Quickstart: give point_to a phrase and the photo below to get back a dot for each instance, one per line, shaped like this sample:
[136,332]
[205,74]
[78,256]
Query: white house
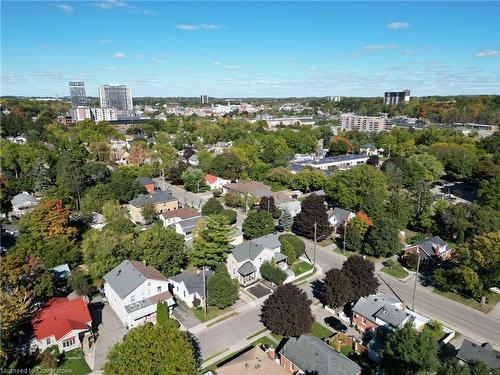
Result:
[133,289]
[188,286]
[183,220]
[283,202]
[245,259]
[340,217]
[368,149]
[329,163]
[23,203]
[61,322]
[214,182]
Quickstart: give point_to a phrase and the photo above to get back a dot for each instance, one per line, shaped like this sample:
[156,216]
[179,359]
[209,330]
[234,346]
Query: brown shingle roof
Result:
[149,272]
[183,213]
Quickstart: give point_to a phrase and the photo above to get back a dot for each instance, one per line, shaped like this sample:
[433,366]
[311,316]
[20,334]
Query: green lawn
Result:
[300,267]
[74,364]
[325,242]
[257,333]
[319,331]
[395,270]
[265,340]
[491,297]
[212,312]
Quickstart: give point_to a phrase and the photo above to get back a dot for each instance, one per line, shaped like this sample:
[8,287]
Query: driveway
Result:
[111,331]
[184,315]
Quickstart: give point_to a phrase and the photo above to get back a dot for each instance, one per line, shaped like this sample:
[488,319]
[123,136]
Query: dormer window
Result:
[132,298]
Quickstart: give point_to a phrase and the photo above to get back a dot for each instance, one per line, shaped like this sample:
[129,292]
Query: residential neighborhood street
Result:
[185,197]
[232,333]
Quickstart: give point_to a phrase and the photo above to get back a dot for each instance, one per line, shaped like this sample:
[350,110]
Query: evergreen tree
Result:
[41,176]
[257,224]
[287,311]
[211,246]
[222,290]
[286,220]
[313,212]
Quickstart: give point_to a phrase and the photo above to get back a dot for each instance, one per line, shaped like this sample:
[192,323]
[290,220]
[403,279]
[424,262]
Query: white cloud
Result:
[44,46]
[105,41]
[119,55]
[232,67]
[398,25]
[407,52]
[378,47]
[488,53]
[109,4]
[159,61]
[200,26]
[65,8]
[139,56]
[216,63]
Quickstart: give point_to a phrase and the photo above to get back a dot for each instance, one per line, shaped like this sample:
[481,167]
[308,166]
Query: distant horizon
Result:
[251,49]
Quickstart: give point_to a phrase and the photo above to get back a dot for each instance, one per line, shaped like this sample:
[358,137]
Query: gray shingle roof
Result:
[149,199]
[252,249]
[374,304]
[189,224]
[246,269]
[470,351]
[278,257]
[428,246]
[145,180]
[310,354]
[127,276]
[341,215]
[23,199]
[193,280]
[392,315]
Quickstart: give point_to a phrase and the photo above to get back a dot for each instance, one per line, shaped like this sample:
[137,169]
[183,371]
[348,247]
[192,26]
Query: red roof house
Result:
[61,322]
[214,182]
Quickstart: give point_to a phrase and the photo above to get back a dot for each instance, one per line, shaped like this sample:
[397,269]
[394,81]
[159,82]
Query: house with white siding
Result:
[133,289]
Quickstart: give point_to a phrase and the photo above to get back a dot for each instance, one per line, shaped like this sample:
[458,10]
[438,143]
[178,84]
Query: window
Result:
[47,341]
[68,343]
[158,290]
[363,320]
[132,298]
[149,283]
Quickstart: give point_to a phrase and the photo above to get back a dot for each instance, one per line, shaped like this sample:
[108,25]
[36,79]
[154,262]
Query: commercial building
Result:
[77,93]
[351,121]
[115,96]
[81,113]
[330,163]
[396,97]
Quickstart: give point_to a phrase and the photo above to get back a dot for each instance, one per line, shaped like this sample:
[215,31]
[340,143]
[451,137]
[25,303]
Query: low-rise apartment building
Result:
[352,121]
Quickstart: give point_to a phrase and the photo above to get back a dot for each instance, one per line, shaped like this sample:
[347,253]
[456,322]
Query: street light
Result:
[415,284]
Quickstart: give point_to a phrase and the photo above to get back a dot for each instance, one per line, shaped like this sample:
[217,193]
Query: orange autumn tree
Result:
[339,146]
[48,220]
[137,154]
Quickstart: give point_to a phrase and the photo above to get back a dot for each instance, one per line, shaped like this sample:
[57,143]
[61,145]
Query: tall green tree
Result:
[336,289]
[383,238]
[361,273]
[210,247]
[222,290]
[286,220]
[144,348]
[313,211]
[194,180]
[287,311]
[162,248]
[257,224]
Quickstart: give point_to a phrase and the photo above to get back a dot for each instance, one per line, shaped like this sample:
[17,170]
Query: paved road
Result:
[471,323]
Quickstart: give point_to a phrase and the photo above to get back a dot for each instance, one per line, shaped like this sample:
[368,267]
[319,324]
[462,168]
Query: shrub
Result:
[232,200]
[217,193]
[298,245]
[411,261]
[212,207]
[231,216]
[272,273]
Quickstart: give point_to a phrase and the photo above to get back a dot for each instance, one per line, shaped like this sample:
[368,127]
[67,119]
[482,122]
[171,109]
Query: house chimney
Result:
[271,353]
[338,346]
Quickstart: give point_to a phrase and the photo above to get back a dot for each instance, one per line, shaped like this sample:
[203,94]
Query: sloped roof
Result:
[192,279]
[145,180]
[128,275]
[210,178]
[341,215]
[61,316]
[312,355]
[380,306]
[255,188]
[246,269]
[189,224]
[470,351]
[254,361]
[23,199]
[149,199]
[182,213]
[251,249]
[278,257]
[428,246]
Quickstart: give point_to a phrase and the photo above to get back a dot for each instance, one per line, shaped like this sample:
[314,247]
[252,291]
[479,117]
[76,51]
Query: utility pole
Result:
[415,284]
[205,293]
[314,251]
[345,230]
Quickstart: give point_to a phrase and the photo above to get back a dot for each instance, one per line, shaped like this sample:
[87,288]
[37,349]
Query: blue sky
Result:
[241,49]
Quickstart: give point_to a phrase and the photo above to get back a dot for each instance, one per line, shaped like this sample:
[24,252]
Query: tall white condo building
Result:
[115,96]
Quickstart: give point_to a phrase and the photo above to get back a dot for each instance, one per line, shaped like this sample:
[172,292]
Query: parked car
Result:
[336,324]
